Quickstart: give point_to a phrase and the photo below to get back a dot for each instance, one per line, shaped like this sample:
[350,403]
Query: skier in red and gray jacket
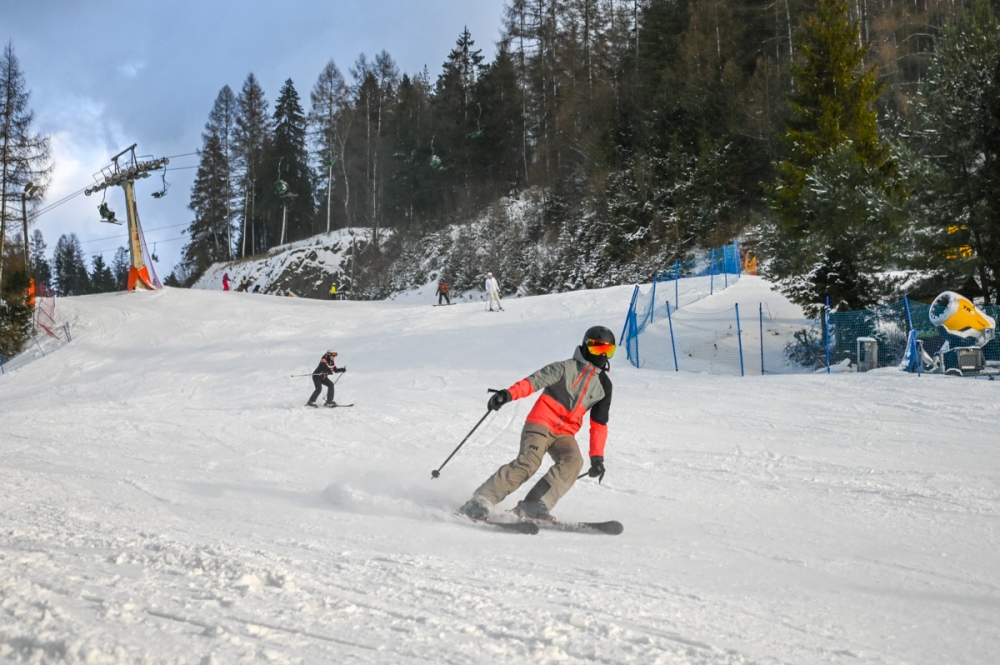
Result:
[571,388]
[327,366]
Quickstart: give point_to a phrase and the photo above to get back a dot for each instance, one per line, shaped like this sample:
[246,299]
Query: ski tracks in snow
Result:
[148,598]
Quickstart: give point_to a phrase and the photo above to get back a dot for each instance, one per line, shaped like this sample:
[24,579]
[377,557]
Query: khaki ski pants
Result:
[536,440]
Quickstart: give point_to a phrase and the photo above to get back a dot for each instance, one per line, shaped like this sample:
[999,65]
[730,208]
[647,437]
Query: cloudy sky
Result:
[105,74]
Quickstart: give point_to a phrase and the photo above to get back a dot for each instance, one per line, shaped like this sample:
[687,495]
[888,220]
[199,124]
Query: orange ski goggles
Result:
[598,348]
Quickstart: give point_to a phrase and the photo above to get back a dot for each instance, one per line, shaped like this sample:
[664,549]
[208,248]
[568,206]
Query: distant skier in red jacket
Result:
[570,389]
[442,292]
[225,281]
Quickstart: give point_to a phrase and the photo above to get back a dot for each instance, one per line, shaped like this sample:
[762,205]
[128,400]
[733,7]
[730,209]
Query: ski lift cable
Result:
[114,249]
[56,204]
[125,235]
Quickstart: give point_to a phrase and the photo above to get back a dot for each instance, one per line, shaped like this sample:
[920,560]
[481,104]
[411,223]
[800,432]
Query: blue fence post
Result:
[725,267]
[826,332]
[711,280]
[761,339]
[909,320]
[677,282]
[652,301]
[631,310]
[39,346]
[635,336]
[69,337]
[673,345]
[739,338]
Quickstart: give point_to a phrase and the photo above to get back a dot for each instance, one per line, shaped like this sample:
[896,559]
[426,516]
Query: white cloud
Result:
[131,69]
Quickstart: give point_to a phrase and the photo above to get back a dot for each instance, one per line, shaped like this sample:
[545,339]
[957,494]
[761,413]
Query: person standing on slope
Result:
[327,366]
[570,388]
[225,281]
[493,289]
[442,292]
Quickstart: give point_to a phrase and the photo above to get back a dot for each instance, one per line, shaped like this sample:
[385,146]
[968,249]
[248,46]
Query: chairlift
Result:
[479,128]
[107,214]
[435,161]
[280,186]
[166,185]
[153,255]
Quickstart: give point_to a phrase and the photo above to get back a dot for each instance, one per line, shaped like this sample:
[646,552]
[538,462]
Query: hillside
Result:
[166,498]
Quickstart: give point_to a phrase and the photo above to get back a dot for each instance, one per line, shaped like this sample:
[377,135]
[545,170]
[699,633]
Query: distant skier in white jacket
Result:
[493,289]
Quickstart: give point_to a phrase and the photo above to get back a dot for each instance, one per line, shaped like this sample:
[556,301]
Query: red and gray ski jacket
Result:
[571,388]
[327,365]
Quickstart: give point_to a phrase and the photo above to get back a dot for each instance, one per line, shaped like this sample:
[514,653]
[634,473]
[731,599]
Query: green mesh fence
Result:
[888,326]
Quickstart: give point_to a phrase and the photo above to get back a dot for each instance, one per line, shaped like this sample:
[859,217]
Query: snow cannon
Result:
[959,316]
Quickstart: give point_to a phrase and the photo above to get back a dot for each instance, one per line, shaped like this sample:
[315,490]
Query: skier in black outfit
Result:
[327,366]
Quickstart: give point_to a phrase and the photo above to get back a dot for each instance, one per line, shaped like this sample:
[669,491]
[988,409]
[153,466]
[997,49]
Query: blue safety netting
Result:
[751,340]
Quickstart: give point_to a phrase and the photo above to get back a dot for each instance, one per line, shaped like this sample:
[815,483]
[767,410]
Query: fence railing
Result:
[700,277]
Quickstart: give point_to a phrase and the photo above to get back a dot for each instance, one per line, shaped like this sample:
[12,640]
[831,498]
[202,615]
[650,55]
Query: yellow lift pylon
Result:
[124,176]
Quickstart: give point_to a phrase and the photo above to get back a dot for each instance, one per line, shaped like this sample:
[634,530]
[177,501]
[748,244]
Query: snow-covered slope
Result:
[165,498]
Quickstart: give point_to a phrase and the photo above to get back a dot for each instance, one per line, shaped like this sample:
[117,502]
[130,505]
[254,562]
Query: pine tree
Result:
[956,136]
[210,233]
[288,168]
[251,139]
[374,90]
[120,265]
[41,271]
[498,150]
[222,123]
[835,153]
[330,119]
[458,117]
[102,280]
[414,199]
[208,201]
[71,272]
[24,156]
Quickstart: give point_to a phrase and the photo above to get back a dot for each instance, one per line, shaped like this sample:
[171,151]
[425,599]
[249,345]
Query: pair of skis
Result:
[531,527]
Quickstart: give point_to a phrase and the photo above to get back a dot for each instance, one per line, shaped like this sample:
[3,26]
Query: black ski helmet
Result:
[599,334]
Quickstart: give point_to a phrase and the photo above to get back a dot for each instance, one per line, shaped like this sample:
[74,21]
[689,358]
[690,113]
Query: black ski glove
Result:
[596,468]
[340,370]
[498,399]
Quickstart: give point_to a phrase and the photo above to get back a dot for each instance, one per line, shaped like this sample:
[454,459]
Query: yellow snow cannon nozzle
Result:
[959,316]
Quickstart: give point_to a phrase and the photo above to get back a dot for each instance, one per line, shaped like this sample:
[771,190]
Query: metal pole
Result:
[24,217]
[437,472]
[826,332]
[762,339]
[329,187]
[739,338]
[673,345]
[284,216]
[711,280]
[631,310]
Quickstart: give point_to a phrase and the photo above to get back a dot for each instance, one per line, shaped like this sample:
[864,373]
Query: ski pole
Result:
[315,374]
[437,472]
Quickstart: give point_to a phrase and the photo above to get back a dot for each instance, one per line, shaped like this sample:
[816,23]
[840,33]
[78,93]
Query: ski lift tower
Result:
[124,175]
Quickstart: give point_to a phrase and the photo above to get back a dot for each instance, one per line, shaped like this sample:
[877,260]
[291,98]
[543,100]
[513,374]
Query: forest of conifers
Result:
[841,140]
